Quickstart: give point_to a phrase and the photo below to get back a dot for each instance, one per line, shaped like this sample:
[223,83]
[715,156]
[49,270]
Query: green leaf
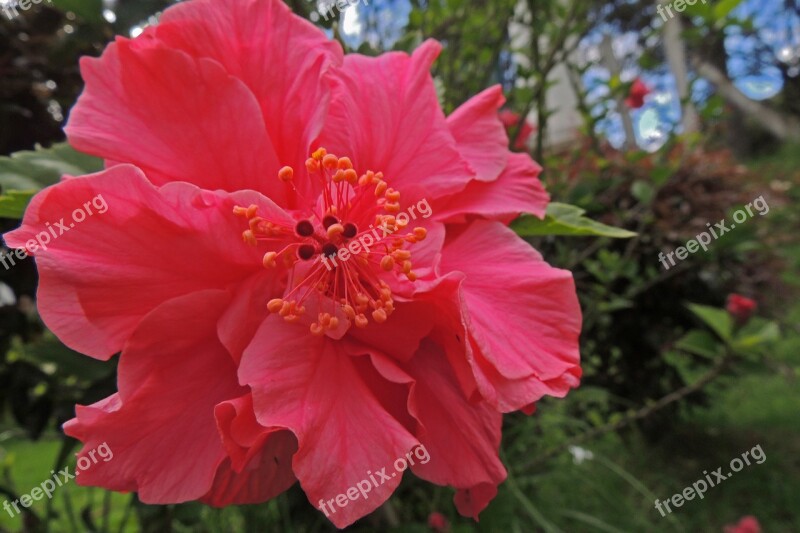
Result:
[567,220]
[643,191]
[717,319]
[723,8]
[700,342]
[35,169]
[755,335]
[13,204]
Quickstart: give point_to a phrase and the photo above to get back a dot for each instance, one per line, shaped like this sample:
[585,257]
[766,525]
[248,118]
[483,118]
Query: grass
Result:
[27,464]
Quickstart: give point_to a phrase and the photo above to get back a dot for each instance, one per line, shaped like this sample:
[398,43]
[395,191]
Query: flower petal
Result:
[517,190]
[461,438]
[101,276]
[310,386]
[172,373]
[385,116]
[176,117]
[283,59]
[259,466]
[523,316]
[480,135]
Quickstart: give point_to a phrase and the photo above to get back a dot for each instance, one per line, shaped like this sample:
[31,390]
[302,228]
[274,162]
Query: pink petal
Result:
[310,386]
[101,277]
[470,502]
[480,134]
[461,438]
[385,116]
[283,59]
[260,460]
[247,310]
[176,117]
[522,314]
[517,190]
[164,411]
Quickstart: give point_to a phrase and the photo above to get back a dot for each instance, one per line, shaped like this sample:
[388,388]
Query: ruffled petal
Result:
[517,190]
[480,134]
[283,59]
[100,277]
[176,117]
[385,116]
[462,437]
[259,466]
[522,316]
[311,387]
[172,373]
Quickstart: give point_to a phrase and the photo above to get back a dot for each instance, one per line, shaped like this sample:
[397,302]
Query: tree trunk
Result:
[781,126]
[611,62]
[675,51]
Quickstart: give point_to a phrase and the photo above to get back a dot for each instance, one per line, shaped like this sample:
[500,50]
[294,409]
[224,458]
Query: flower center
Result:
[341,247]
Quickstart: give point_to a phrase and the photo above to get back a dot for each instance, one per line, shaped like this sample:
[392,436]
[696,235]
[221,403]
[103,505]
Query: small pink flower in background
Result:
[248,366]
[438,522]
[741,308]
[638,91]
[747,524]
[510,120]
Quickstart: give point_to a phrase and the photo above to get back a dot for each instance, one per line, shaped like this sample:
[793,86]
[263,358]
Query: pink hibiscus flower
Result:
[249,360]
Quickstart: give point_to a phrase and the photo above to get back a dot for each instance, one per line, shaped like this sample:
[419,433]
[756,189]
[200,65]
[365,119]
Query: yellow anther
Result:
[312,165]
[319,154]
[345,163]
[380,188]
[407,266]
[249,237]
[351,176]
[387,263]
[317,330]
[334,230]
[392,207]
[392,195]
[269,260]
[402,255]
[361,321]
[420,233]
[286,174]
[330,161]
[379,316]
[275,305]
[367,178]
